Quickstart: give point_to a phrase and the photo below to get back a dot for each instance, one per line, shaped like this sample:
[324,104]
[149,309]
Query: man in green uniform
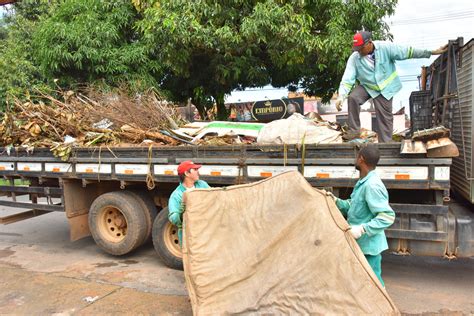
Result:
[188,173]
[368,211]
[372,65]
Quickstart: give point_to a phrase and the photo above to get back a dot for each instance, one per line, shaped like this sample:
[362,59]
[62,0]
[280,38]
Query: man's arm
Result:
[377,200]
[203,184]
[349,77]
[174,209]
[343,205]
[398,52]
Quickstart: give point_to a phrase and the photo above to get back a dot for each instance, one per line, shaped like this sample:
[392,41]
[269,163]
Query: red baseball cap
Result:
[186,165]
[360,39]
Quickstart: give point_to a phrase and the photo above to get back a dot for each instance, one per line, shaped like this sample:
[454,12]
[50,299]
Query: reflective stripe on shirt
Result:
[385,83]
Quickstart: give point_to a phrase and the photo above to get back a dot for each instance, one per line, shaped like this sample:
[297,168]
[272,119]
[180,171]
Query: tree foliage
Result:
[91,41]
[199,49]
[210,48]
[19,73]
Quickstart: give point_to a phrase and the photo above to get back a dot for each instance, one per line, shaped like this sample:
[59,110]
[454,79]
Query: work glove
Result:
[357,231]
[440,50]
[339,101]
[331,195]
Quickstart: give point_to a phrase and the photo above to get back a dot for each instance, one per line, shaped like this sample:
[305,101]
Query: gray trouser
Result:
[383,111]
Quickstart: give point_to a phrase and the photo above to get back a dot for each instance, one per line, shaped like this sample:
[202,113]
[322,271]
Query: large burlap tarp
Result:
[277,246]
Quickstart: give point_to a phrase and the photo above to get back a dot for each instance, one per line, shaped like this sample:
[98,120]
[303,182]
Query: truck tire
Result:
[116,221]
[165,241]
[150,211]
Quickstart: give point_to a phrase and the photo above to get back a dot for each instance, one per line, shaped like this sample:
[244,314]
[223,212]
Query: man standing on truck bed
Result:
[188,173]
[372,64]
[368,211]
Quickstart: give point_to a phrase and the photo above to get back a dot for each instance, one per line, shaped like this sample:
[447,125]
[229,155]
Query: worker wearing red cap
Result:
[372,64]
[188,173]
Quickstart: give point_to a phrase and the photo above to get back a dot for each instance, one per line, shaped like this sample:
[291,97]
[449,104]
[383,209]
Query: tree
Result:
[198,49]
[19,73]
[94,41]
[209,48]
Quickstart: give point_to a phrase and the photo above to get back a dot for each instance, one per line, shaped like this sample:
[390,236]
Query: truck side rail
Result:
[329,165]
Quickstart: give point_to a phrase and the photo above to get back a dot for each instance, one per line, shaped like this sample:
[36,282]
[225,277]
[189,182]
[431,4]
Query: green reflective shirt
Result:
[176,206]
[382,77]
[368,206]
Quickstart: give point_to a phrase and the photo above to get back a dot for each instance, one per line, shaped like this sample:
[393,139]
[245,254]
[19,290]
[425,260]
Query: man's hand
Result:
[331,195]
[440,50]
[339,102]
[357,231]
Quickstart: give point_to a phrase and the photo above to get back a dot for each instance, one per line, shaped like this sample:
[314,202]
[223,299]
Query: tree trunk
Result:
[222,112]
[201,109]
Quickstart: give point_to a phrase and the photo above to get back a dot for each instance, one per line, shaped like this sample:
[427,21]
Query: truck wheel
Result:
[116,221]
[150,211]
[166,242]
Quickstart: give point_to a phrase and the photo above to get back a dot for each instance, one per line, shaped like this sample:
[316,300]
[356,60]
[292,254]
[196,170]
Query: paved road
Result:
[44,273]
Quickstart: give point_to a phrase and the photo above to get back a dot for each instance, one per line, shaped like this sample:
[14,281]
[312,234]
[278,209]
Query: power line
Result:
[430,38]
[430,18]
[440,13]
[434,18]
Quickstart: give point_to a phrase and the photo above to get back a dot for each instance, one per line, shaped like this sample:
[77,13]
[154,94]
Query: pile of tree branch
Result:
[89,119]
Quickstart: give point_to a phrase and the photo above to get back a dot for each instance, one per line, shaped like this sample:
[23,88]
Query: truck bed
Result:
[418,186]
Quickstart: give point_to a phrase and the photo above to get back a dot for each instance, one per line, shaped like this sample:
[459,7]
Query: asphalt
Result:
[44,273]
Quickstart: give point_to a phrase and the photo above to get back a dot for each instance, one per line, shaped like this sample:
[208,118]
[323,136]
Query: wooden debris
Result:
[411,147]
[430,134]
[89,119]
[443,147]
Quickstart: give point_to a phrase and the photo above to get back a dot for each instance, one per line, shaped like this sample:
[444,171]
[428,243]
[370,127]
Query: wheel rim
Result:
[112,224]
[172,240]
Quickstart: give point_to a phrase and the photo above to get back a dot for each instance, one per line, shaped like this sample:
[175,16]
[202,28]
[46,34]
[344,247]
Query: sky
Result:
[424,24]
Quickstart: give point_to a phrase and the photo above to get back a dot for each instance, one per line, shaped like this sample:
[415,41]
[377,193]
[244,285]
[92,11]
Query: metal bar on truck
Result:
[31,159]
[26,189]
[416,235]
[119,160]
[420,209]
[43,207]
[382,161]
[219,161]
[389,184]
[342,161]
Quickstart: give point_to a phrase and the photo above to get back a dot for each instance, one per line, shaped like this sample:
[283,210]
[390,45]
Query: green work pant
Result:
[375,263]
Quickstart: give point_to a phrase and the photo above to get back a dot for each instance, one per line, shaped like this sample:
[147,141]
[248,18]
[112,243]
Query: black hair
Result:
[371,155]
[181,177]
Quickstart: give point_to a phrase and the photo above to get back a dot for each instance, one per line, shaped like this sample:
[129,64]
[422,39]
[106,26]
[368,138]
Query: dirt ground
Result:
[44,273]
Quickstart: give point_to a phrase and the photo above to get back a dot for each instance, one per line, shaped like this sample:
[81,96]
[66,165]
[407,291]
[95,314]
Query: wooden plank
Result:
[21,216]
